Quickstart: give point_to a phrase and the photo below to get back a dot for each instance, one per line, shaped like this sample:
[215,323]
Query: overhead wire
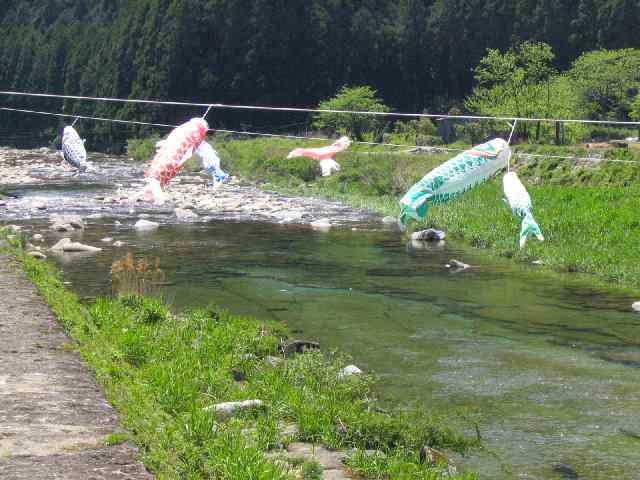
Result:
[299,137]
[321,110]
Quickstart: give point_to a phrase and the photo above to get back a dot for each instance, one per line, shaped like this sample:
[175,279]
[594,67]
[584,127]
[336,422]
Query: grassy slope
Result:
[160,371]
[589,214]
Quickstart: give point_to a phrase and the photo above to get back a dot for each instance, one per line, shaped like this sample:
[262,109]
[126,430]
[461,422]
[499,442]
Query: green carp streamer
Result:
[519,201]
[454,177]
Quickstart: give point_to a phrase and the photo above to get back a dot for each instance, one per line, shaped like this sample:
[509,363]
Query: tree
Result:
[362,98]
[605,83]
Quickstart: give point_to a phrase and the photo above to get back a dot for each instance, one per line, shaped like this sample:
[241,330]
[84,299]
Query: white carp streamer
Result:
[73,150]
[520,203]
[454,177]
[210,162]
[324,155]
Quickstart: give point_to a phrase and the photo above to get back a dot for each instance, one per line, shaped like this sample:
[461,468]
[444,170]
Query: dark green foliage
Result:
[415,53]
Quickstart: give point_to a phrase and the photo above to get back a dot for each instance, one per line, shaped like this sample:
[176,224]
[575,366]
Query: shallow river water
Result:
[548,366]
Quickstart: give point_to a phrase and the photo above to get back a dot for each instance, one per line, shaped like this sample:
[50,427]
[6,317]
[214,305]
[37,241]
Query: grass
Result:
[588,211]
[161,371]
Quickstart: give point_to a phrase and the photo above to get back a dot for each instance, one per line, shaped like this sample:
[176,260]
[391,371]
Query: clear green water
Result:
[548,366]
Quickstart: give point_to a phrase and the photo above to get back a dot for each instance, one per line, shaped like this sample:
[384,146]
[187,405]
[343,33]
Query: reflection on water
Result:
[549,367]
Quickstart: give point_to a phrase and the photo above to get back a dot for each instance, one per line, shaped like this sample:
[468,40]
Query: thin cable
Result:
[296,137]
[99,119]
[207,112]
[319,110]
[513,129]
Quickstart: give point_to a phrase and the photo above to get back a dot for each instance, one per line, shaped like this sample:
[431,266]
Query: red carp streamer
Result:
[171,154]
[325,155]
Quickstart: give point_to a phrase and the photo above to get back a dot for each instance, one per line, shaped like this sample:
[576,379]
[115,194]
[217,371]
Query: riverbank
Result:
[55,421]
[167,375]
[587,210]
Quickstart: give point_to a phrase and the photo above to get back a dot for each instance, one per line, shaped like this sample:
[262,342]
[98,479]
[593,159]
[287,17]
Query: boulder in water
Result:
[146,225]
[321,224]
[636,306]
[457,265]
[429,235]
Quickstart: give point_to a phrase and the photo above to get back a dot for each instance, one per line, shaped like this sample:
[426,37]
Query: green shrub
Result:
[303,168]
[142,149]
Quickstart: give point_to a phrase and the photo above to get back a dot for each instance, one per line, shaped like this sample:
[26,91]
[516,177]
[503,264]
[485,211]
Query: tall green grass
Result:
[162,370]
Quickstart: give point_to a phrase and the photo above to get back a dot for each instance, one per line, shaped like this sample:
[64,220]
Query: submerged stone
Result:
[457,265]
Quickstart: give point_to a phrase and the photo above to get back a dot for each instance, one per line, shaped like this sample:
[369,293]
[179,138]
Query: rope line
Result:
[319,110]
[513,129]
[297,137]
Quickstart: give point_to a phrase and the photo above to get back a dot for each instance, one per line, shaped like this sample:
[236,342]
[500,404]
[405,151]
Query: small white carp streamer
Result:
[454,177]
[73,150]
[210,162]
[520,203]
[324,155]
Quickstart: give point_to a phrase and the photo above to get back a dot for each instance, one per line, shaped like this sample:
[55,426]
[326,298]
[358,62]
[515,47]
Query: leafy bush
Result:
[361,98]
[142,149]
[306,169]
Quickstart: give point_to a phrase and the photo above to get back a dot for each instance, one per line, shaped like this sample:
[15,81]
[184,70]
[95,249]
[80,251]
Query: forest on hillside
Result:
[417,54]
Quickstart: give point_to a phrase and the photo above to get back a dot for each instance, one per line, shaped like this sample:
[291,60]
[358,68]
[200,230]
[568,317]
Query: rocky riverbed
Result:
[37,183]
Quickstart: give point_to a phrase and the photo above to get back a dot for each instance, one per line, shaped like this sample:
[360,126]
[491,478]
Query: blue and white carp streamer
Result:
[454,177]
[73,150]
[210,162]
[519,201]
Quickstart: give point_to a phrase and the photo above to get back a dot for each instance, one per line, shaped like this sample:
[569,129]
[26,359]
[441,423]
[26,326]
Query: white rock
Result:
[229,409]
[40,205]
[390,220]
[321,224]
[183,214]
[107,240]
[95,216]
[58,246]
[37,238]
[37,254]
[79,247]
[118,244]
[146,225]
[636,306]
[349,370]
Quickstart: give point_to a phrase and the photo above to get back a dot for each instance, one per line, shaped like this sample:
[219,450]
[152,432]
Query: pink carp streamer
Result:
[325,155]
[171,154]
